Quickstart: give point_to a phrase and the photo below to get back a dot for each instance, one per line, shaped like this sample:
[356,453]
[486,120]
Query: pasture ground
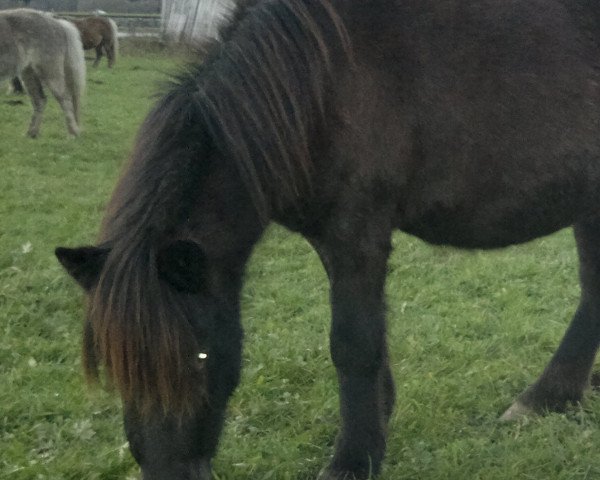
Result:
[468,331]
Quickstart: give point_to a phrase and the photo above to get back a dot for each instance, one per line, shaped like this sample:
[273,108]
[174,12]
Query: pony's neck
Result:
[224,220]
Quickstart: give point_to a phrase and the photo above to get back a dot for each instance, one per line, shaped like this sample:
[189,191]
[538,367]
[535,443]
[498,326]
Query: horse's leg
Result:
[182,449]
[356,267]
[17,86]
[57,84]
[38,100]
[110,49]
[98,54]
[567,375]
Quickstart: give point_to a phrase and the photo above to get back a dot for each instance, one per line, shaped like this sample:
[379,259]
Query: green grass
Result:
[468,331]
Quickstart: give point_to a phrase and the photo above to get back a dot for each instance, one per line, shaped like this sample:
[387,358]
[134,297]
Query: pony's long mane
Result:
[263,91]
[256,99]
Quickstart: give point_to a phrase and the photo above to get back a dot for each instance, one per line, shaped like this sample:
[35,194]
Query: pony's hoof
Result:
[595,381]
[204,472]
[516,411]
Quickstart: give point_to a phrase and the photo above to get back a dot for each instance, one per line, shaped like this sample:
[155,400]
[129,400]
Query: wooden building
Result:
[191,20]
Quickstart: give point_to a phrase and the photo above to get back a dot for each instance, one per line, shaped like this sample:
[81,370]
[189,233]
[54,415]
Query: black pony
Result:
[465,122]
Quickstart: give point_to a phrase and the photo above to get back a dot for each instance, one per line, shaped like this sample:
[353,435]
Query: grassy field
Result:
[468,331]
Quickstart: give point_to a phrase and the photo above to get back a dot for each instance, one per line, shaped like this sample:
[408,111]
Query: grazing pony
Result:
[43,51]
[465,124]
[99,33]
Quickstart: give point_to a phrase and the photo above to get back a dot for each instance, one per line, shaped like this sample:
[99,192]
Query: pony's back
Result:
[38,35]
[19,49]
[8,51]
[22,23]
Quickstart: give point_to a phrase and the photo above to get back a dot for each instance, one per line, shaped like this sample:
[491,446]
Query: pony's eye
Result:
[203,356]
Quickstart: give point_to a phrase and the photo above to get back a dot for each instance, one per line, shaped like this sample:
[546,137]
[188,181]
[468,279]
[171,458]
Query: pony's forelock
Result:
[141,332]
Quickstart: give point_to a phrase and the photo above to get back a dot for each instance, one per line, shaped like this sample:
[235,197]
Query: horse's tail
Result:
[140,331]
[114,44]
[74,67]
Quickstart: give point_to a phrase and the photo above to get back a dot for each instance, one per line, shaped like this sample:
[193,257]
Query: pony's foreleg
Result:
[357,270]
[567,375]
[38,100]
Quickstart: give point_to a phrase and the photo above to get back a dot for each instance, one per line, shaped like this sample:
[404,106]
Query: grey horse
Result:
[43,51]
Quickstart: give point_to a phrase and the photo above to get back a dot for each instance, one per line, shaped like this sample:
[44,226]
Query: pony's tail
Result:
[139,330]
[74,67]
[114,44]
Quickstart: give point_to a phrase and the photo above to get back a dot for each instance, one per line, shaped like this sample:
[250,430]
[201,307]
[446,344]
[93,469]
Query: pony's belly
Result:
[502,202]
[487,226]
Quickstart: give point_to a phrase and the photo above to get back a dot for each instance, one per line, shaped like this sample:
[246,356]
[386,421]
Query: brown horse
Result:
[99,33]
[464,122]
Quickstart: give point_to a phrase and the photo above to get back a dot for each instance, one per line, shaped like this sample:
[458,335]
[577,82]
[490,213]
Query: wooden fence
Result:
[129,24]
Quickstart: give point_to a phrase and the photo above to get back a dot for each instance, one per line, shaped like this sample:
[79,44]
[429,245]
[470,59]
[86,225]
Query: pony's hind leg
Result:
[356,265]
[110,54]
[567,375]
[38,100]
[99,54]
[58,87]
[17,86]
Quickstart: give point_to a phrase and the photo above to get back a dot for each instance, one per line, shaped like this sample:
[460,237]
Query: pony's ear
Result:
[84,264]
[182,265]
